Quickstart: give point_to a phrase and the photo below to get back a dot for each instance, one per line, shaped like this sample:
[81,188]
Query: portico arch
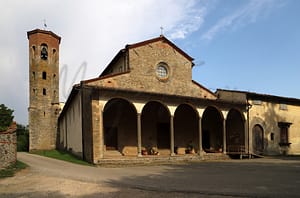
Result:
[212,130]
[235,132]
[155,121]
[186,131]
[119,124]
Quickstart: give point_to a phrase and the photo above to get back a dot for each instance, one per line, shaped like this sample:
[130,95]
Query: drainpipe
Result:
[248,107]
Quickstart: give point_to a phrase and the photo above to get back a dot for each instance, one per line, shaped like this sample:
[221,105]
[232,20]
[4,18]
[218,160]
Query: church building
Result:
[145,105]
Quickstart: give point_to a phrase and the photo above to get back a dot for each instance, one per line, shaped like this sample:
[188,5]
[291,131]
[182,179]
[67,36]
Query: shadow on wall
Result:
[272,133]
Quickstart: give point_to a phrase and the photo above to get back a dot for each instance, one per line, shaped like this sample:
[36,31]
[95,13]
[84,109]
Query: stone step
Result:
[159,159]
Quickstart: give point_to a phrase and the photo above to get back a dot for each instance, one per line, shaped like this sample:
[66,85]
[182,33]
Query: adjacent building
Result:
[274,122]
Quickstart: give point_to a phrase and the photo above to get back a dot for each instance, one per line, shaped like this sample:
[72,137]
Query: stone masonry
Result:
[8,146]
[43,88]
[143,60]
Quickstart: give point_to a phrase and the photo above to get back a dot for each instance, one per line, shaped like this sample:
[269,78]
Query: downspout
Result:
[248,107]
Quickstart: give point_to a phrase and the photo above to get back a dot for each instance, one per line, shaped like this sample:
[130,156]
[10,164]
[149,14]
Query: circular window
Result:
[162,71]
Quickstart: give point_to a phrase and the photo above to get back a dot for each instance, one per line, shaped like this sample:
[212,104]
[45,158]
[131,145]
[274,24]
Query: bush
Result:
[6,117]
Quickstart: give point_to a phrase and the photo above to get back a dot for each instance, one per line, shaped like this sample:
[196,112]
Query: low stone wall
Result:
[8,146]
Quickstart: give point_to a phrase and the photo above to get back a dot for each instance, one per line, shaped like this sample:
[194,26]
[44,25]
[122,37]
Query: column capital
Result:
[224,113]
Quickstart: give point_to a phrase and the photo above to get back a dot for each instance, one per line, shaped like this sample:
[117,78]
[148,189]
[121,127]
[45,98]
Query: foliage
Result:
[22,138]
[6,117]
[61,155]
[11,170]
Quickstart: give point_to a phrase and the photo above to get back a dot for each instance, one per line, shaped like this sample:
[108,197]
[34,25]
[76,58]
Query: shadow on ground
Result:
[219,179]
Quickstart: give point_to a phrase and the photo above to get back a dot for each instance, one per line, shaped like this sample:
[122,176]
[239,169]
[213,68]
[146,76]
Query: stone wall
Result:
[8,146]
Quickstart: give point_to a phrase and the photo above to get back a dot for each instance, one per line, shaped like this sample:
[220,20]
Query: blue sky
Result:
[259,55]
[249,45]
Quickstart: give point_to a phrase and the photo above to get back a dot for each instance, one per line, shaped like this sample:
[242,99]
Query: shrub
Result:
[6,117]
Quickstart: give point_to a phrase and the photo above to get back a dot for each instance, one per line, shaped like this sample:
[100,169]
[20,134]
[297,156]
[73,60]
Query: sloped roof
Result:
[265,97]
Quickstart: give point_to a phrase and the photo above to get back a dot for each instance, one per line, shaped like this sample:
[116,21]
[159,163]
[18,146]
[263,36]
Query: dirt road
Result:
[48,177]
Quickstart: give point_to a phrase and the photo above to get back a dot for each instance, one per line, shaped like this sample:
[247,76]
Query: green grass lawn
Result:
[61,155]
[11,170]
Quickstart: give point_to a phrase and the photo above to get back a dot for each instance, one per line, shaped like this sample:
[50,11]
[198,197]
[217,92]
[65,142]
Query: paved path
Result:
[236,178]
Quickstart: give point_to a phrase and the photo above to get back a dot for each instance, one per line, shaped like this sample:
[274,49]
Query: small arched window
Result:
[44,75]
[44,51]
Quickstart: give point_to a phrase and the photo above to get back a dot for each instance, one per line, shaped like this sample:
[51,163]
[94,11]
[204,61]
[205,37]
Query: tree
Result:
[6,117]
[22,138]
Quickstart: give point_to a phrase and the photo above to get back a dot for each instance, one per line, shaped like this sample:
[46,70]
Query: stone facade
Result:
[140,61]
[8,146]
[274,122]
[44,89]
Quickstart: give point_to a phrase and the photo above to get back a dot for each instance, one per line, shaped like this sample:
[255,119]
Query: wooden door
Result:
[258,139]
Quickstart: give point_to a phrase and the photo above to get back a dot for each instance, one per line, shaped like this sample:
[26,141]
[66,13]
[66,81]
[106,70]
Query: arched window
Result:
[44,51]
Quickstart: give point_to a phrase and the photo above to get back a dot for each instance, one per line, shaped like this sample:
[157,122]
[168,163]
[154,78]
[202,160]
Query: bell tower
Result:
[43,89]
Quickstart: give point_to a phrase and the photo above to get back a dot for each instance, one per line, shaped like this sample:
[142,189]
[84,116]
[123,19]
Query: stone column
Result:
[246,136]
[139,134]
[200,149]
[101,134]
[172,134]
[224,136]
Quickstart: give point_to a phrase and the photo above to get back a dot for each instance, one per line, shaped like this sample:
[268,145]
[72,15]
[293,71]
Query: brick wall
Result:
[8,146]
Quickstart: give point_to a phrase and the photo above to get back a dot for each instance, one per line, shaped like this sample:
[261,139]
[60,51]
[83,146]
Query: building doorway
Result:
[258,139]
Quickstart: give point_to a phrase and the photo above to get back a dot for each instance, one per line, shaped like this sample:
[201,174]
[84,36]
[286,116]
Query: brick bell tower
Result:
[43,89]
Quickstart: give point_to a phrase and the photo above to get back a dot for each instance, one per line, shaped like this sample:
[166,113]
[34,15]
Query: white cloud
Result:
[92,32]
[248,13]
